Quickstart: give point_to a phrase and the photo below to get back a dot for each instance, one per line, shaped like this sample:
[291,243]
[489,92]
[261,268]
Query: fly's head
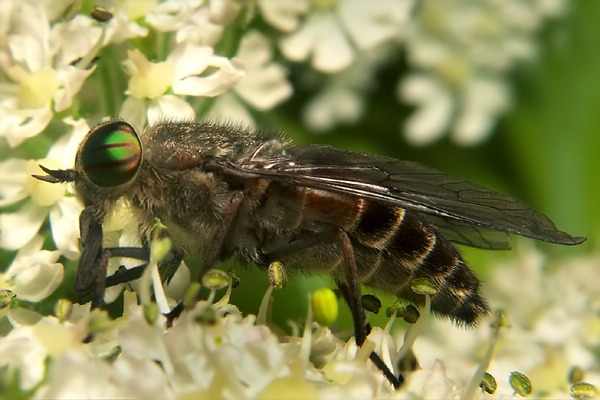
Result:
[107,163]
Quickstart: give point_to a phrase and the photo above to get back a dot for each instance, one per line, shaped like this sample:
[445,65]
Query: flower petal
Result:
[12,181]
[283,14]
[18,228]
[229,107]
[64,219]
[227,73]
[190,59]
[135,112]
[169,107]
[17,124]
[21,351]
[38,281]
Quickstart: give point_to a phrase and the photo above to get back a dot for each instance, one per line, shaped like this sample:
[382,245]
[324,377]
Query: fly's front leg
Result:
[91,271]
[91,280]
[166,267]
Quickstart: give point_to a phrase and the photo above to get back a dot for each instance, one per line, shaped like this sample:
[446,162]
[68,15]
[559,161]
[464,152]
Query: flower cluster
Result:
[212,351]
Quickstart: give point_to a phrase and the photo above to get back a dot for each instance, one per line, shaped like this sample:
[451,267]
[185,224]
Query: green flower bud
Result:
[424,286]
[488,383]
[62,309]
[583,390]
[576,375]
[520,384]
[324,304]
[411,314]
[371,303]
[215,279]
[6,298]
[101,14]
[151,312]
[395,308]
[277,276]
[191,295]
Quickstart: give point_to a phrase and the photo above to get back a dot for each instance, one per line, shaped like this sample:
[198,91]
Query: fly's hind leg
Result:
[350,290]
[350,287]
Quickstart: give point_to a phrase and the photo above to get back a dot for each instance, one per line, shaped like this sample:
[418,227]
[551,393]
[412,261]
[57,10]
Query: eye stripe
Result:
[127,163]
[112,146]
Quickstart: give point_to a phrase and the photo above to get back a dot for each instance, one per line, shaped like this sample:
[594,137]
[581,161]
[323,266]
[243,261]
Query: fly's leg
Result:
[350,287]
[124,275]
[166,268]
[91,280]
[350,290]
[100,284]
[221,235]
[324,236]
[216,249]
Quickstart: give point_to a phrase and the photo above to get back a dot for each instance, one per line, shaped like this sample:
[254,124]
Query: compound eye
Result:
[111,154]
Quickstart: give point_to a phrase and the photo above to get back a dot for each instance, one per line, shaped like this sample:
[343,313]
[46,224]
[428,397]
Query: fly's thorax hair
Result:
[191,203]
[186,197]
[181,145]
[173,185]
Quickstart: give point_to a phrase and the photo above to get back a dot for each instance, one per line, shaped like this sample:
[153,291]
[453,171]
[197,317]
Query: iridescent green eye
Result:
[111,154]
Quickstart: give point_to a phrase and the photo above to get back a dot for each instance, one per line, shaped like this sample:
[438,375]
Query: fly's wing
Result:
[469,235]
[468,212]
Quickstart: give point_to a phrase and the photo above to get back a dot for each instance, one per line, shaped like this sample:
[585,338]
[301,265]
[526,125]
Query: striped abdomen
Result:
[411,249]
[392,246]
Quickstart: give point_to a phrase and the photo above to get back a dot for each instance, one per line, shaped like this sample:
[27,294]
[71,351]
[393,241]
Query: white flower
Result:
[473,115]
[236,358]
[342,97]
[354,376]
[461,53]
[38,62]
[40,199]
[75,374]
[330,33]
[184,73]
[554,325]
[34,274]
[431,383]
[435,108]
[26,348]
[139,338]
[21,351]
[336,105]
[194,21]
[123,26]
[263,86]
[283,14]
